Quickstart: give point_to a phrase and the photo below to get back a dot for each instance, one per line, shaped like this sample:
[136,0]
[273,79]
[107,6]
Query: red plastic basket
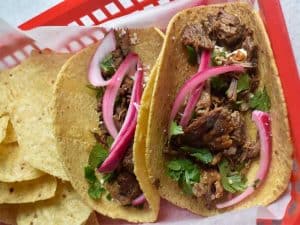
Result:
[91,12]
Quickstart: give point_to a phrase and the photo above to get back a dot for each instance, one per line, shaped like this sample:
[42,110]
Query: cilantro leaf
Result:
[99,90]
[231,181]
[192,55]
[95,190]
[185,173]
[202,154]
[219,83]
[89,174]
[109,140]
[107,65]
[175,129]
[243,83]
[218,56]
[260,100]
[97,156]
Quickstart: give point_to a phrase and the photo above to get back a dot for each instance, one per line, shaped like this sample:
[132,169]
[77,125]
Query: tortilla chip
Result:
[4,93]
[31,85]
[28,191]
[65,208]
[10,134]
[8,214]
[171,78]
[76,117]
[13,167]
[3,127]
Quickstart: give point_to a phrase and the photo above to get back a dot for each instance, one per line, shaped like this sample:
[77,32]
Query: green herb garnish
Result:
[107,65]
[243,83]
[218,56]
[201,154]
[231,181]
[175,129]
[185,173]
[99,90]
[219,84]
[260,100]
[192,55]
[89,174]
[96,190]
[97,156]
[108,197]
[109,140]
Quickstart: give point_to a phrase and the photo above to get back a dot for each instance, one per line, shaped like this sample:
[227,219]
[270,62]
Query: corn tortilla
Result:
[75,118]
[28,191]
[31,86]
[174,69]
[65,208]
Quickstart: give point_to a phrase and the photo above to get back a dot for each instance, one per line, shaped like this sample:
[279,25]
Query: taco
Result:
[221,141]
[97,97]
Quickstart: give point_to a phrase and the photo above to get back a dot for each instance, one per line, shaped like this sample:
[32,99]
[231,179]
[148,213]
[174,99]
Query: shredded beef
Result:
[196,36]
[227,29]
[123,101]
[127,162]
[124,188]
[204,103]
[249,150]
[218,129]
[118,55]
[209,187]
[251,48]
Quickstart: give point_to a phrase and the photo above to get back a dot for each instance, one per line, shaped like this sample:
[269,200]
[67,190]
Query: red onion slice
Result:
[263,123]
[112,91]
[107,45]
[139,200]
[126,133]
[195,95]
[196,80]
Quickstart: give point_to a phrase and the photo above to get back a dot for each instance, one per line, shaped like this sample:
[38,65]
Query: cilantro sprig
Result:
[192,55]
[260,100]
[175,129]
[185,173]
[201,154]
[243,83]
[231,181]
[107,65]
[96,158]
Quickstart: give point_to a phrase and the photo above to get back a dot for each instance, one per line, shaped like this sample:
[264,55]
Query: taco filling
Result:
[210,147]
[117,75]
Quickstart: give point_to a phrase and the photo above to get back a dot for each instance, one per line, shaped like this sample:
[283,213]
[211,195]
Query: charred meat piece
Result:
[209,187]
[124,188]
[214,129]
[250,150]
[123,40]
[251,48]
[112,61]
[195,35]
[123,101]
[204,103]
[127,162]
[226,28]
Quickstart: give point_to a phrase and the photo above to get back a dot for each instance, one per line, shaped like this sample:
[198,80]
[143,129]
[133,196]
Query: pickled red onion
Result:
[126,133]
[111,92]
[139,200]
[263,123]
[196,80]
[195,95]
[107,45]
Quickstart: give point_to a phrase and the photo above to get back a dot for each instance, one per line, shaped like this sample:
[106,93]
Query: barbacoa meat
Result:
[218,129]
[118,55]
[195,35]
[226,28]
[209,187]
[124,188]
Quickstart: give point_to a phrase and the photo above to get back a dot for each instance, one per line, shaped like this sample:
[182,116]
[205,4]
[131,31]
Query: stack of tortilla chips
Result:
[34,189]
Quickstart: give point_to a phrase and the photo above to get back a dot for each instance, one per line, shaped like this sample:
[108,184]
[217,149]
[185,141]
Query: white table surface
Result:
[17,11]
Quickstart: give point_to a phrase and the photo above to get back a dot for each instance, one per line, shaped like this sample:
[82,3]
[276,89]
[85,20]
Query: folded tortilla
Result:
[76,118]
[173,71]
